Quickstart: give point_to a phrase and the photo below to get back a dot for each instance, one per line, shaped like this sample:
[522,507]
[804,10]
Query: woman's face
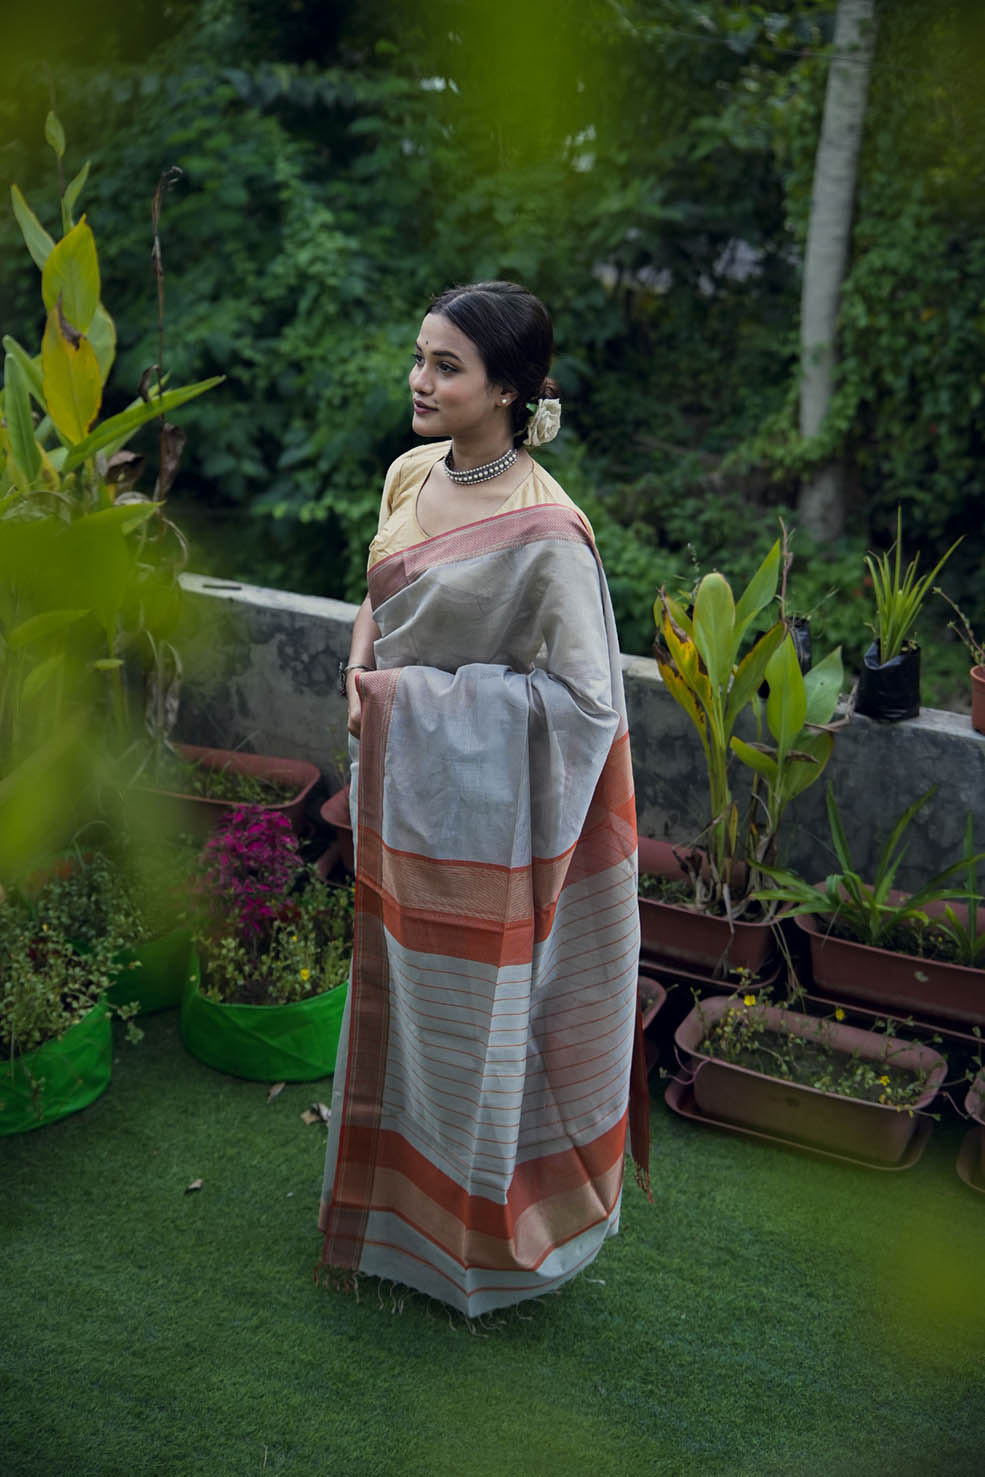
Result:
[451,394]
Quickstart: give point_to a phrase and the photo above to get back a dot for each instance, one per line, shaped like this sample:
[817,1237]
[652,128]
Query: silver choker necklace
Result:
[484,473]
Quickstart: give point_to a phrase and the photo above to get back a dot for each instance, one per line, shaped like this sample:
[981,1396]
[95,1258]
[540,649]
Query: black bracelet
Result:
[345,670]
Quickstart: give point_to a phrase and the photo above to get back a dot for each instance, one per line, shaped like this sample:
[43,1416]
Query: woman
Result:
[481,1094]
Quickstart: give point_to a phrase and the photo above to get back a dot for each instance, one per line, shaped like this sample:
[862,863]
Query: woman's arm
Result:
[365,632]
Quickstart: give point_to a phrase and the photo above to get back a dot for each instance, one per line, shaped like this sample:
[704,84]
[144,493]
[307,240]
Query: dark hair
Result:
[513,333]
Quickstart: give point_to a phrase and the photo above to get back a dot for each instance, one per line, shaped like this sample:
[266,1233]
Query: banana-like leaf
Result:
[36,238]
[822,686]
[39,627]
[682,695]
[750,673]
[40,676]
[805,763]
[714,627]
[118,429]
[758,593]
[71,272]
[72,192]
[31,367]
[20,426]
[73,386]
[756,759]
[786,705]
[54,133]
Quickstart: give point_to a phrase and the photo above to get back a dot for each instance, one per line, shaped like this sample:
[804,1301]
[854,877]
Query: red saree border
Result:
[510,530]
[348,1209]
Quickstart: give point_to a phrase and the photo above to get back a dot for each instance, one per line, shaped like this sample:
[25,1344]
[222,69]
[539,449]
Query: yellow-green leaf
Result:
[36,238]
[714,626]
[107,664]
[31,367]
[72,192]
[73,387]
[20,426]
[786,706]
[116,431]
[39,677]
[72,272]
[102,336]
[54,134]
[755,758]
[38,627]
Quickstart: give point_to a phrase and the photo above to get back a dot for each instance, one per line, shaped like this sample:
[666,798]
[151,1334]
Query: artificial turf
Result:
[770,1313]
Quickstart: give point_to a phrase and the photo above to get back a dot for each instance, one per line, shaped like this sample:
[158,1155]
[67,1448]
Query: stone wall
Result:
[261,671]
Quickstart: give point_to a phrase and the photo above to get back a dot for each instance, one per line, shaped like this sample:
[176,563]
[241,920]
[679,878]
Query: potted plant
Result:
[921,952]
[723,924]
[802,1079]
[55,1028]
[275,945]
[889,683]
[88,566]
[200,787]
[962,629]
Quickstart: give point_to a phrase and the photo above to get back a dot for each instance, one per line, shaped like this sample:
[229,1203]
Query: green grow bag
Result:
[155,973]
[265,1043]
[59,1077]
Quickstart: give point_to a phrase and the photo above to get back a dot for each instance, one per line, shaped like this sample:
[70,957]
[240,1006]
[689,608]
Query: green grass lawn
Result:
[768,1314]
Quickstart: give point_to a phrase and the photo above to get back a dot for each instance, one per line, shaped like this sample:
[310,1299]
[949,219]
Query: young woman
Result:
[482,1092]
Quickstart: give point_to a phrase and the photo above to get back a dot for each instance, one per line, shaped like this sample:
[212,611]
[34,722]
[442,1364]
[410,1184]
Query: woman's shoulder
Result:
[410,465]
[540,487]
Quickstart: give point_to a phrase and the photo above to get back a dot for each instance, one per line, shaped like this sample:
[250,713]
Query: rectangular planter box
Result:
[772,1105]
[199,815]
[897,982]
[672,933]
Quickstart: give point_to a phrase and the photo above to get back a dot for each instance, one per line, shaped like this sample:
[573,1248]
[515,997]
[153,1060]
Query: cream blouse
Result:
[398,526]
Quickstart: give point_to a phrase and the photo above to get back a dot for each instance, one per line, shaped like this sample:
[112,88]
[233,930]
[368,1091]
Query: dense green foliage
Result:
[646,167]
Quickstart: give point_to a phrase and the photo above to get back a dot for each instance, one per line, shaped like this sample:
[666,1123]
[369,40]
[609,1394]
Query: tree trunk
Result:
[821,507]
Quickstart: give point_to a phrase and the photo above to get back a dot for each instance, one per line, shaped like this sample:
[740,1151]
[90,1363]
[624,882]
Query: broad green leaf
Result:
[749,673]
[36,238]
[786,704]
[805,763]
[20,426]
[54,134]
[31,367]
[72,272]
[118,429]
[72,192]
[102,336]
[682,695]
[124,517]
[40,676]
[758,593]
[73,388]
[755,758]
[822,686]
[39,627]
[714,627]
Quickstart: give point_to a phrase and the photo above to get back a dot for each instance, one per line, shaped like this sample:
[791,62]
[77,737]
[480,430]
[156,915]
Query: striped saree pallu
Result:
[481,1094]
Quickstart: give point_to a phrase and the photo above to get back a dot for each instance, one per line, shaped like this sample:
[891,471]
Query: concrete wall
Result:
[261,672]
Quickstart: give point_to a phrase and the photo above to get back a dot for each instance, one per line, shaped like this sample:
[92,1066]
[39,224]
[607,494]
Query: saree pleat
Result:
[481,1096]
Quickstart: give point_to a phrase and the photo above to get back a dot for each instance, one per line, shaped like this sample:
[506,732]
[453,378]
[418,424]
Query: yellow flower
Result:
[839,1014]
[748,999]
[306,975]
[884,1080]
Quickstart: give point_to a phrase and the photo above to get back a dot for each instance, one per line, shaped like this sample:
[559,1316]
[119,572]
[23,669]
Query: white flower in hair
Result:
[544,423]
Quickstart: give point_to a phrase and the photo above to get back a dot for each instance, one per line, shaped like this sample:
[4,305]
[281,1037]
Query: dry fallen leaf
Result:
[276,1091]
[195,1185]
[317,1113]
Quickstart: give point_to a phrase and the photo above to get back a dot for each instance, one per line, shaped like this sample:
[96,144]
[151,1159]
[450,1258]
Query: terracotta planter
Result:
[199,814]
[263,1043]
[59,1077]
[335,812]
[672,933]
[861,1130]
[652,996]
[897,982]
[978,699]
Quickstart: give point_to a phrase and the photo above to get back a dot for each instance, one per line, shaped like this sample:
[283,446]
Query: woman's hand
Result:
[355,703]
